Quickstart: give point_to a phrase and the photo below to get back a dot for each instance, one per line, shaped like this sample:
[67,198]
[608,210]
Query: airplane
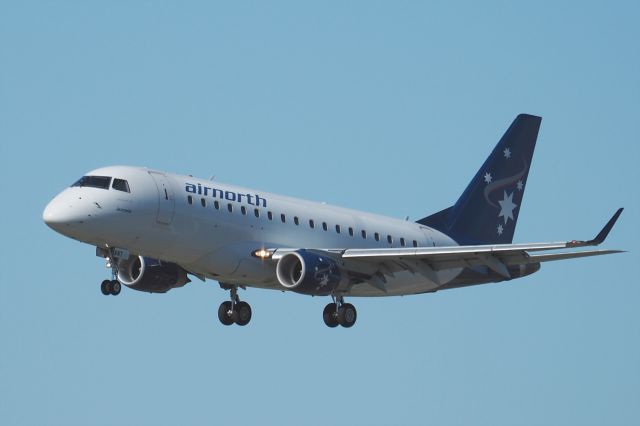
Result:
[155,229]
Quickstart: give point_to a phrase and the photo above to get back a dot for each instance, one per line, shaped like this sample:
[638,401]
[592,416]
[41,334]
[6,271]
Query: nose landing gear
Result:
[234,311]
[112,286]
[339,313]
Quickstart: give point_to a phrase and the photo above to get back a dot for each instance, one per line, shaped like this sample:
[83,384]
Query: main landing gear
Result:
[339,313]
[234,311]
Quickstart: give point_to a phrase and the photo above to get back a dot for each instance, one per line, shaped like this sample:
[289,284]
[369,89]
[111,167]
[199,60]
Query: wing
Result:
[376,263]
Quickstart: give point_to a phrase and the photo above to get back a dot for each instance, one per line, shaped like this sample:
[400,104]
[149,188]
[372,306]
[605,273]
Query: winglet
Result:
[607,228]
[602,235]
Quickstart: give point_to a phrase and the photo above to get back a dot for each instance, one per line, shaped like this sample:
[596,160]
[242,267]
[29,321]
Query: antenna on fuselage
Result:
[212,177]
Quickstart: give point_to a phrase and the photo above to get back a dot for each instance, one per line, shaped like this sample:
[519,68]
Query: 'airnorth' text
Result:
[253,199]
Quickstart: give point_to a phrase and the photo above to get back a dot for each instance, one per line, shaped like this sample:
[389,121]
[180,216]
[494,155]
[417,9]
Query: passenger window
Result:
[364,234]
[121,185]
[216,205]
[351,231]
[243,210]
[311,224]
[338,229]
[230,207]
[324,225]
[415,243]
[203,202]
[189,199]
[402,242]
[283,218]
[376,236]
[256,212]
[295,220]
[270,215]
[389,239]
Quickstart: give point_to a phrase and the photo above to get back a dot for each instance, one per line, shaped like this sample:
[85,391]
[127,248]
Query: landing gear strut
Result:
[111,286]
[234,311]
[339,313]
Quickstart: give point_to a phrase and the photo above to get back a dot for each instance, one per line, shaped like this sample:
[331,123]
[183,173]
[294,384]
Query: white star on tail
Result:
[507,153]
[487,177]
[500,229]
[506,207]
[520,185]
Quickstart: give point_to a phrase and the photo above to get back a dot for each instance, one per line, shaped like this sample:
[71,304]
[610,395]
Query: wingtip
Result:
[602,235]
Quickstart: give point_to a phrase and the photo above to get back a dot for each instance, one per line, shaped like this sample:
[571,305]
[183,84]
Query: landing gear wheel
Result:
[347,315]
[329,315]
[243,313]
[105,287]
[226,313]
[115,287]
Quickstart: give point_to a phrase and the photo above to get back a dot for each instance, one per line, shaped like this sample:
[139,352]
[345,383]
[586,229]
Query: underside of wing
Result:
[504,261]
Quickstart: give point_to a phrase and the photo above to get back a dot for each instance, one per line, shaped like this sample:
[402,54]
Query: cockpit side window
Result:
[101,182]
[121,185]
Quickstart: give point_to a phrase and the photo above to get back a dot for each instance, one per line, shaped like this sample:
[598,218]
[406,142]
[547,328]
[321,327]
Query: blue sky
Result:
[388,107]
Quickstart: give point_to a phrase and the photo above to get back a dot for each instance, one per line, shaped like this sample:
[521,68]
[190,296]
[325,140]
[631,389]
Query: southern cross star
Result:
[520,185]
[500,229]
[507,153]
[487,177]
[506,207]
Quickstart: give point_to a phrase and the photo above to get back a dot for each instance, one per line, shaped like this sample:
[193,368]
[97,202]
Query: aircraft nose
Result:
[59,215]
[54,215]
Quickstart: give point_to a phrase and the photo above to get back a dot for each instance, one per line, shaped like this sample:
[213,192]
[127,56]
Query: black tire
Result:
[223,313]
[329,315]
[105,287]
[115,287]
[243,313]
[347,315]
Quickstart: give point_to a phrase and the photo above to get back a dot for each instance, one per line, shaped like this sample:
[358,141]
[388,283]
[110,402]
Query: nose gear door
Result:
[166,201]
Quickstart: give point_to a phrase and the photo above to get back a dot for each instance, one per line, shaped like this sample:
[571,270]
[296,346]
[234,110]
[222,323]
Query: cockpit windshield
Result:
[102,182]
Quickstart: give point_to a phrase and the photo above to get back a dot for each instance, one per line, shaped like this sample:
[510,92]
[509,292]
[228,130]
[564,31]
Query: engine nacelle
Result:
[307,272]
[151,275]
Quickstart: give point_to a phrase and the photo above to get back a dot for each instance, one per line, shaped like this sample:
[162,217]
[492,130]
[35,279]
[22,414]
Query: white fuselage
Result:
[211,229]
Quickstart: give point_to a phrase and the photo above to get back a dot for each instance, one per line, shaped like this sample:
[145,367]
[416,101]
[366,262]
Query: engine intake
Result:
[307,272]
[151,275]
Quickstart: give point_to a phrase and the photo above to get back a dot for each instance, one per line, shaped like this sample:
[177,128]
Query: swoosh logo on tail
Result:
[503,183]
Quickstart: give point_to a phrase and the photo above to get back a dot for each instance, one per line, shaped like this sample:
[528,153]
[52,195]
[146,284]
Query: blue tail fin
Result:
[487,211]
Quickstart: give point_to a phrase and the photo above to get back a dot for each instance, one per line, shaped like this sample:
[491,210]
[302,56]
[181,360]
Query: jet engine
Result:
[145,274]
[307,272]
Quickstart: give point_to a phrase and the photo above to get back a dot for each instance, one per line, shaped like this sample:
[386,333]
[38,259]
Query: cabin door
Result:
[166,201]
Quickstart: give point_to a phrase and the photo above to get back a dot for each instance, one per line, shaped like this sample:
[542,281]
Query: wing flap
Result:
[569,255]
[495,260]
[451,252]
